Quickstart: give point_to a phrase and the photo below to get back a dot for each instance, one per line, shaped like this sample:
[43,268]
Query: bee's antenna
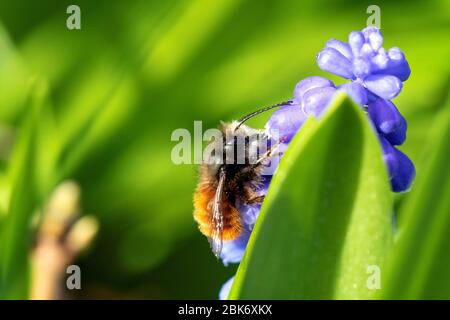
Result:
[255,113]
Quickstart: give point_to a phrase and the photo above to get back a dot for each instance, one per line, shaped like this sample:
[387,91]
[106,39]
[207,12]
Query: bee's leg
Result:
[269,153]
[259,163]
[251,197]
[255,200]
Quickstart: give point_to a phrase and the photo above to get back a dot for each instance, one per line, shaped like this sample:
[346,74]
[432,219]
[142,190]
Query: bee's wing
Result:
[217,218]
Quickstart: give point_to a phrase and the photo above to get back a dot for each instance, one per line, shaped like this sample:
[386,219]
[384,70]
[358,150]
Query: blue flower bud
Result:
[401,169]
[396,65]
[388,121]
[403,178]
[356,41]
[389,157]
[342,47]
[310,83]
[286,121]
[380,61]
[384,86]
[367,51]
[373,35]
[309,99]
[316,100]
[333,61]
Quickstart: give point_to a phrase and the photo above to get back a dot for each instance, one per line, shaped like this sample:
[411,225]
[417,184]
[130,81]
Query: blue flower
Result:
[312,96]
[380,74]
[376,76]
[366,63]
[388,121]
[286,121]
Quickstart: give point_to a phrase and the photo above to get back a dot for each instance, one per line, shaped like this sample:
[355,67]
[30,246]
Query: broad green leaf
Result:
[419,265]
[327,215]
[15,237]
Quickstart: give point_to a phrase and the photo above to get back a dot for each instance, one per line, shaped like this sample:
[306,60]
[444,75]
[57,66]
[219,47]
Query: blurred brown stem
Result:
[61,237]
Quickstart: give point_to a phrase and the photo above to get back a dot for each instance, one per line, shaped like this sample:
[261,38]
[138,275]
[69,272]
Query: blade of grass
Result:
[15,237]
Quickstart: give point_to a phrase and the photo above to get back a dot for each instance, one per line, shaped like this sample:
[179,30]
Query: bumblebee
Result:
[230,175]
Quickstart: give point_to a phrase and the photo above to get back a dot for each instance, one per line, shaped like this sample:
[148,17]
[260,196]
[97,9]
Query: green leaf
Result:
[14,79]
[326,217]
[15,237]
[419,264]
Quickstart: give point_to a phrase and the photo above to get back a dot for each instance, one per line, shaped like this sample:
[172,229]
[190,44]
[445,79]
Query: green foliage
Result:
[16,237]
[419,265]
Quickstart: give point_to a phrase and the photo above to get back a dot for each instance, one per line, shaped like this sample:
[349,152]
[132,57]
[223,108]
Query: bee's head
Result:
[239,146]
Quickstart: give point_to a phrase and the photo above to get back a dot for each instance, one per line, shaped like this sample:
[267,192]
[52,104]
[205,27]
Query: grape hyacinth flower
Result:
[381,73]
[375,77]
[378,75]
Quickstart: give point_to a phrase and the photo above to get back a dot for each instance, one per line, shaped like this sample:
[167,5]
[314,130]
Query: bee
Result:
[228,178]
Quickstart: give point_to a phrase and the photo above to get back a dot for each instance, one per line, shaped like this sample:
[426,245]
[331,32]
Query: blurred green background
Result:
[111,94]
